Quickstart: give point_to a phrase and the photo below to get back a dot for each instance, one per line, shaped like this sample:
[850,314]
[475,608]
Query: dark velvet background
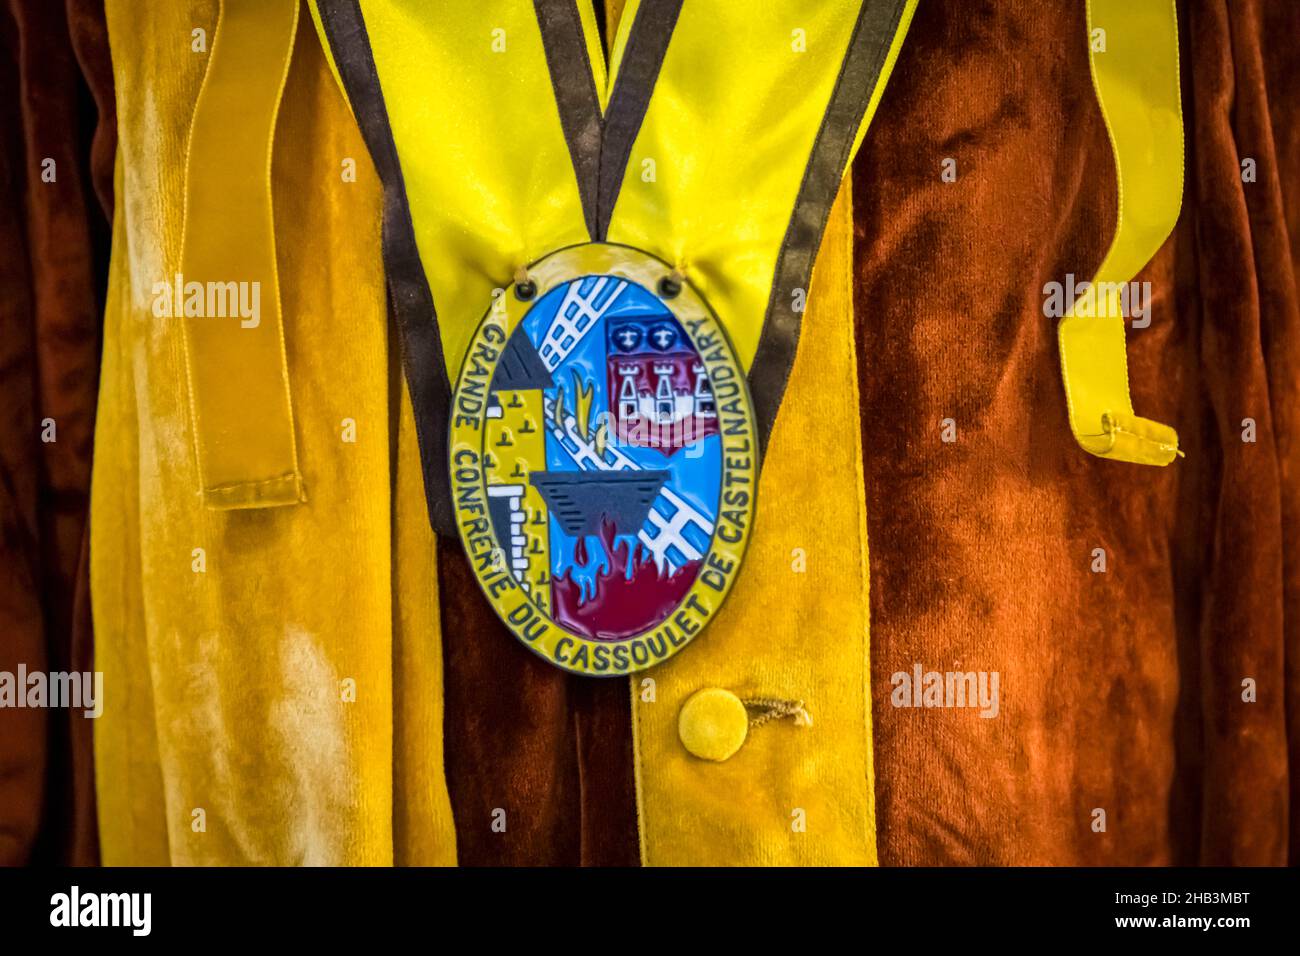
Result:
[53,269]
[1121,690]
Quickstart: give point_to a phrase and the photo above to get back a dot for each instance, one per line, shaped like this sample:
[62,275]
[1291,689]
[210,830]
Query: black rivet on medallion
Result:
[670,286]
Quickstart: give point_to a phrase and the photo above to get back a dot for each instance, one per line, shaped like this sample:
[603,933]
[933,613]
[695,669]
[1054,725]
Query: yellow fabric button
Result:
[713,723]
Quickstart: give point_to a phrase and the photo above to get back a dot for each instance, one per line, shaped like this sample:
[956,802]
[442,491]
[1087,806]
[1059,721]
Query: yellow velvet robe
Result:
[265,671]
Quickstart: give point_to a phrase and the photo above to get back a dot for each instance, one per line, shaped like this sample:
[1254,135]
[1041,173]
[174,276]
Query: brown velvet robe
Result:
[53,260]
[1120,690]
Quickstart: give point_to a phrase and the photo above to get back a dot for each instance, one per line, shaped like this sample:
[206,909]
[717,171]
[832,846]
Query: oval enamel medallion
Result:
[603,460]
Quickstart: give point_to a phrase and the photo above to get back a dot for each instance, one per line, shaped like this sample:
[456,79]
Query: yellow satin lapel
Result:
[241,410]
[490,195]
[771,802]
[1135,76]
[720,212]
[489,180]
[795,627]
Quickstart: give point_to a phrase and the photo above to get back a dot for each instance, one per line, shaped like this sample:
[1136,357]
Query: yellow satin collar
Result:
[710,180]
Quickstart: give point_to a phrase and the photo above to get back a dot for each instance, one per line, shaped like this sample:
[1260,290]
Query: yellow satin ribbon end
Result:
[1128,437]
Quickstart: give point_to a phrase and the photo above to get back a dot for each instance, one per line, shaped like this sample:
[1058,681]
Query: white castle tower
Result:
[704,406]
